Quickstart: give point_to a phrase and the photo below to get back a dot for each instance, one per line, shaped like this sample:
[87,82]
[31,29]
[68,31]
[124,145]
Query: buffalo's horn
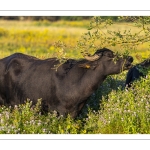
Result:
[92,58]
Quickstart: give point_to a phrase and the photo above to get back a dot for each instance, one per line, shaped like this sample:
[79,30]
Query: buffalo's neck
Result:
[91,80]
[85,81]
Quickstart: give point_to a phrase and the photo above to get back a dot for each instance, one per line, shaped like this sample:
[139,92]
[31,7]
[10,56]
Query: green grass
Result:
[112,109]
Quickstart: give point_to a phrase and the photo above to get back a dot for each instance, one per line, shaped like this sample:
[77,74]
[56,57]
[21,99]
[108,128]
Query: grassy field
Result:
[110,110]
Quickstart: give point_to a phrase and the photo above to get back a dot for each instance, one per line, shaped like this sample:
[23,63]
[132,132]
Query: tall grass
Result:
[112,109]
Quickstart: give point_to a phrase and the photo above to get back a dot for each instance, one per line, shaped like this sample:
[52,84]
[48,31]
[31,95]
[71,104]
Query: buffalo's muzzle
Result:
[128,63]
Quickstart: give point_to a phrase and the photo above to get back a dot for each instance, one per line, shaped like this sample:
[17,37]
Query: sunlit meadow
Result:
[112,109]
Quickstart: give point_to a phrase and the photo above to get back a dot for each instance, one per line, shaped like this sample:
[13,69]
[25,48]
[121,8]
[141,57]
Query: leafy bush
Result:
[124,111]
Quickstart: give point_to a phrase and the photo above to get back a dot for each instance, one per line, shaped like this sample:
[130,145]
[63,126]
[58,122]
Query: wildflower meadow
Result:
[112,109]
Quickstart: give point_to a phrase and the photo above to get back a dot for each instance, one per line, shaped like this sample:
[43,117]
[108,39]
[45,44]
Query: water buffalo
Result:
[136,72]
[64,90]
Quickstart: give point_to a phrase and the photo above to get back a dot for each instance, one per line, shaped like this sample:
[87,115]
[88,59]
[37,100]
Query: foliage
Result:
[124,111]
[101,35]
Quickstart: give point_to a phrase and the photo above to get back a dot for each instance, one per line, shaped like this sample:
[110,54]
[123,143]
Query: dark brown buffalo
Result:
[136,72]
[65,90]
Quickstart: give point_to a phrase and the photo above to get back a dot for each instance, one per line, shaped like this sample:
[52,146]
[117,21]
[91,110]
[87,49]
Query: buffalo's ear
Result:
[87,66]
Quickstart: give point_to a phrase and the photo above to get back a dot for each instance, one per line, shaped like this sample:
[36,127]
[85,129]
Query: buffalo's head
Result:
[110,62]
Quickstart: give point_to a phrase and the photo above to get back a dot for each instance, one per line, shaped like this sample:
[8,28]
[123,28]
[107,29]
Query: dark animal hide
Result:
[66,90]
